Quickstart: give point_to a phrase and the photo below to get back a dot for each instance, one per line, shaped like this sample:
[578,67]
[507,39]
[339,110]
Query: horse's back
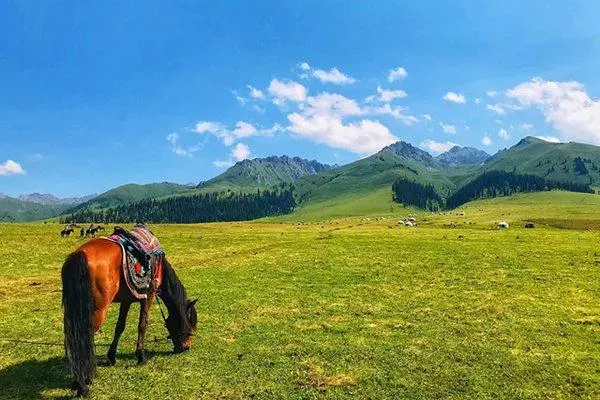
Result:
[104,259]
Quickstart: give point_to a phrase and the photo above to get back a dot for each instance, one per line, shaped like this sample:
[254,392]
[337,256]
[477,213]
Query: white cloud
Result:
[455,97]
[437,147]
[10,167]
[282,91]
[395,112]
[208,126]
[492,93]
[223,164]
[256,93]
[395,74]
[363,137]
[477,101]
[486,140]
[240,152]
[565,105]
[181,151]
[334,75]
[550,139]
[331,104]
[503,134]
[526,127]
[497,108]
[304,66]
[428,117]
[35,157]
[385,96]
[243,130]
[451,129]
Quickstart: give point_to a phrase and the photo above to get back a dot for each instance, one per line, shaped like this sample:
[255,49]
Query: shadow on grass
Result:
[29,379]
[33,379]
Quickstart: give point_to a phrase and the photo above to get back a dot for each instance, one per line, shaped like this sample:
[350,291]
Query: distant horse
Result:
[66,232]
[92,279]
[92,230]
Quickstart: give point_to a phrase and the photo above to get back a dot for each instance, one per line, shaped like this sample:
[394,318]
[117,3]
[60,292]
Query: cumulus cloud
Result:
[385,96]
[550,139]
[239,153]
[565,105]
[334,75]
[503,134]
[180,150]
[304,66]
[282,91]
[397,73]
[395,112]
[10,167]
[428,117]
[486,140]
[437,147]
[242,130]
[497,108]
[256,93]
[451,129]
[492,93]
[363,137]
[455,97]
[478,101]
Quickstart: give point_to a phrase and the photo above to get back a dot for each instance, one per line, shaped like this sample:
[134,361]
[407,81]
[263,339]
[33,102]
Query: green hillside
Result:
[550,160]
[378,171]
[15,210]
[131,193]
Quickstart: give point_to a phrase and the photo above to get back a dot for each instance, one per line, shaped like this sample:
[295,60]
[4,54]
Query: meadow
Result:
[306,307]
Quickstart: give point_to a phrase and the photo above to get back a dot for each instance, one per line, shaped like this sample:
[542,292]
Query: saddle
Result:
[142,256]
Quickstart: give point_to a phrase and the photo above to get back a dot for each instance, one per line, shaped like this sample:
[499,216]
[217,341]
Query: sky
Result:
[93,96]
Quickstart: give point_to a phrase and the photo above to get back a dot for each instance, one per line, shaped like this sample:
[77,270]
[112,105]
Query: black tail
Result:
[77,303]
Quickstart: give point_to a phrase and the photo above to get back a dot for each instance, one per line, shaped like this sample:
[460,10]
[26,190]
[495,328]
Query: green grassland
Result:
[340,308]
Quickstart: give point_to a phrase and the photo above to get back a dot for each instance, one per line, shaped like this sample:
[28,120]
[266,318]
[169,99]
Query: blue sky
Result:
[92,97]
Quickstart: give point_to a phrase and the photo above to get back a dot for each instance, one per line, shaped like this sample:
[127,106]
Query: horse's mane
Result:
[173,294]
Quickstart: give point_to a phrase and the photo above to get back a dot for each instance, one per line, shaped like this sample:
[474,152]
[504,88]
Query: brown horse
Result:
[92,279]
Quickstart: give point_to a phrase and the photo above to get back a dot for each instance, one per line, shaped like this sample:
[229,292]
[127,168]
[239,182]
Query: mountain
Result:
[410,152]
[460,156]
[47,199]
[263,172]
[368,175]
[16,210]
[131,193]
[572,161]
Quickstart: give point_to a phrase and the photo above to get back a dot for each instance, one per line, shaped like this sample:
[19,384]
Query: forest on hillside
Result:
[204,207]
[487,185]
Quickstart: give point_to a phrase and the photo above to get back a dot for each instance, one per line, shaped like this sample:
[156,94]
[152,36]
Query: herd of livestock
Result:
[90,231]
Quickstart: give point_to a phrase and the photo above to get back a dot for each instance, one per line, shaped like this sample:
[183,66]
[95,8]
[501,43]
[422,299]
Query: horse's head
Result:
[181,328]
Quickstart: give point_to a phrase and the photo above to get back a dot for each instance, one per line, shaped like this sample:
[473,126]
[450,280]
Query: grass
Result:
[338,309]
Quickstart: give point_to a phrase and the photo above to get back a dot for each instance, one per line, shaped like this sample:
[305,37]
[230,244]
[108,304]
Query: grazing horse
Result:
[92,279]
[66,232]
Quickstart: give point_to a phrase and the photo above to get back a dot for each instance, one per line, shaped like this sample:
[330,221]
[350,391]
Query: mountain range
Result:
[352,188]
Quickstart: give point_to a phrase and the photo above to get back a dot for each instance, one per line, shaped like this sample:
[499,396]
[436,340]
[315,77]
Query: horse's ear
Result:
[192,303]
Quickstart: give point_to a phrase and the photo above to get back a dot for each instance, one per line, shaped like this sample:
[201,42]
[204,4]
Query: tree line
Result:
[487,185]
[205,207]
[409,192]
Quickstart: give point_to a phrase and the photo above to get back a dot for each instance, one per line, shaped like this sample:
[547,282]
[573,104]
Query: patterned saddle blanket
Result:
[142,256]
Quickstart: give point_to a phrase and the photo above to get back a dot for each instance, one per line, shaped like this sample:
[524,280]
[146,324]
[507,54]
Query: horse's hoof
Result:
[83,392]
[141,356]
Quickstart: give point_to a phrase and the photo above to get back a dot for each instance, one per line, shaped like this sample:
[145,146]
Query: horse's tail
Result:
[77,303]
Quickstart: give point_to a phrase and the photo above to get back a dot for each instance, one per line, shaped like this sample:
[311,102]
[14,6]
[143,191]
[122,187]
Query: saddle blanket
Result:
[142,253]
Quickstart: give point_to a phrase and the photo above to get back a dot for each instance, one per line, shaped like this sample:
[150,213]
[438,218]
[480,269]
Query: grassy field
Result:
[348,308]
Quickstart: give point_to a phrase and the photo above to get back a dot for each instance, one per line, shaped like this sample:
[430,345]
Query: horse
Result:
[92,279]
[66,232]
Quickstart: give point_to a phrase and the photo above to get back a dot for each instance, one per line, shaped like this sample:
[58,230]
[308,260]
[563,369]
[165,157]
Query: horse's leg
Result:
[112,351]
[142,325]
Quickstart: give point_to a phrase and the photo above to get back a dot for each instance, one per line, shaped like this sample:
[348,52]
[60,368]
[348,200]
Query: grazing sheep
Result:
[411,219]
[408,223]
[530,225]
[503,224]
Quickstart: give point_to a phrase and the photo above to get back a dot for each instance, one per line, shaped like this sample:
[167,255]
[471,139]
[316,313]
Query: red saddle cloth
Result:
[136,244]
